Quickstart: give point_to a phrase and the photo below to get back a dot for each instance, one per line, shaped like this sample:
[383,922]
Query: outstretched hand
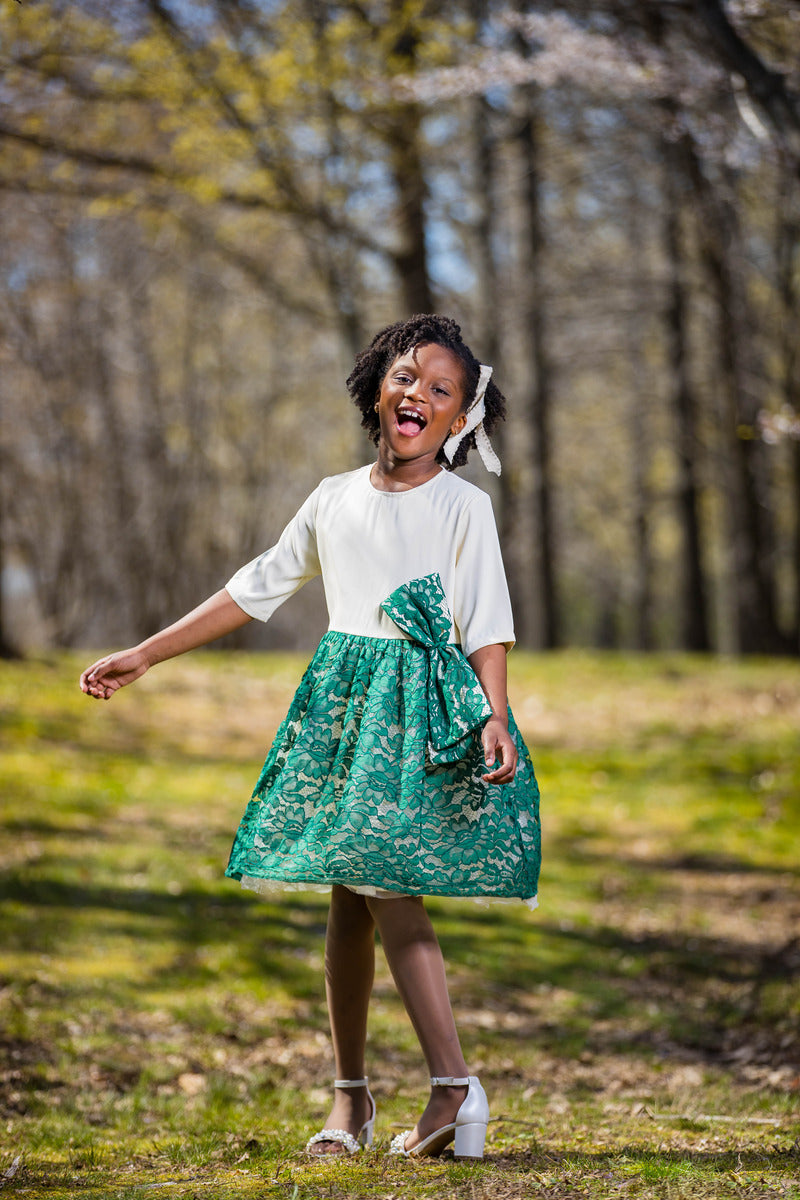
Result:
[498,747]
[218,615]
[109,674]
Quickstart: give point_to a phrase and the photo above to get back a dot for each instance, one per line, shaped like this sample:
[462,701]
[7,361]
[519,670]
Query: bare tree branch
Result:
[768,88]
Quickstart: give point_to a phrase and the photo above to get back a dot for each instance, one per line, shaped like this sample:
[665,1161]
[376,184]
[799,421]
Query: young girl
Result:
[398,771]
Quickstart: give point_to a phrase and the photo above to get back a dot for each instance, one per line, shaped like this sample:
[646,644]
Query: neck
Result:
[391,474]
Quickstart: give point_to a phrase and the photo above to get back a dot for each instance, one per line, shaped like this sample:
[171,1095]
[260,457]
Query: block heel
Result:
[469,1140]
[467,1132]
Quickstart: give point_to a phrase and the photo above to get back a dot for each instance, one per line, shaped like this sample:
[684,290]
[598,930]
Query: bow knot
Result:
[457,704]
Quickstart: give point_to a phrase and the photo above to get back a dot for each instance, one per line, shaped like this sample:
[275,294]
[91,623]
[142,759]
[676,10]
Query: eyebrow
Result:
[439,378]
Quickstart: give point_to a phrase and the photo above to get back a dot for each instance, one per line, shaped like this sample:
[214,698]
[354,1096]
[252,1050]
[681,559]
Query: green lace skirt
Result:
[354,792]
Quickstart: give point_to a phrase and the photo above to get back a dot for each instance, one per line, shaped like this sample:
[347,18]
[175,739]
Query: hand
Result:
[497,744]
[109,674]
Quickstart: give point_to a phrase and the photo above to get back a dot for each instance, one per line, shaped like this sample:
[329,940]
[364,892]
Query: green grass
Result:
[163,1032]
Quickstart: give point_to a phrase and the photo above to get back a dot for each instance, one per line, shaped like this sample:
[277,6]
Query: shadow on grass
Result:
[518,955]
[577,850]
[686,995]
[662,992]
[650,1161]
[583,952]
[39,827]
[268,939]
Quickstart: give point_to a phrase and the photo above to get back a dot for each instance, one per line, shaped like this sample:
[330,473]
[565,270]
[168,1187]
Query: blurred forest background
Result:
[207,208]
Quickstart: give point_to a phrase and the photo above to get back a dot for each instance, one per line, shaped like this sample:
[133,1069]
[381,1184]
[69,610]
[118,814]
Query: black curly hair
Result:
[364,381]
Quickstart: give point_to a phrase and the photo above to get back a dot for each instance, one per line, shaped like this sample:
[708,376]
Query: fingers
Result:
[499,747]
[89,682]
[503,774]
[97,687]
[107,676]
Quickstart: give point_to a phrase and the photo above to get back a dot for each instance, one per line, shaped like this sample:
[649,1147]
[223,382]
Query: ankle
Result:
[449,1085]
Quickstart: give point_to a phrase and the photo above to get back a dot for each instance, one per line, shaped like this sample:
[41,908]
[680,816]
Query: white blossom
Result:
[780,426]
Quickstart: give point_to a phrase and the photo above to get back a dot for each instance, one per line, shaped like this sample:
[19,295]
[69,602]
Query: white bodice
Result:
[365,543]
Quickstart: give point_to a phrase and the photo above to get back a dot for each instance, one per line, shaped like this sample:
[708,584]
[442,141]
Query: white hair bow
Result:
[475,417]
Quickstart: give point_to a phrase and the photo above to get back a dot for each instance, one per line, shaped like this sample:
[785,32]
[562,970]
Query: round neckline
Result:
[418,487]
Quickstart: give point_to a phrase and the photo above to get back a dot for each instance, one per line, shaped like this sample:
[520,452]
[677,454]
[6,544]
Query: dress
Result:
[374,777]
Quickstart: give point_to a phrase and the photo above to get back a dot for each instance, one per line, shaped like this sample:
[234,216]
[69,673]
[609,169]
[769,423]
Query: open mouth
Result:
[410,422]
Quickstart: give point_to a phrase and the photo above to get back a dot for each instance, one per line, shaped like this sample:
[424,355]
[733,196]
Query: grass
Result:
[163,1032]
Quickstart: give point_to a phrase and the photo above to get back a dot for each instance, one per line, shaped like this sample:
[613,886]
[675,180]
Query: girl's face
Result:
[421,401]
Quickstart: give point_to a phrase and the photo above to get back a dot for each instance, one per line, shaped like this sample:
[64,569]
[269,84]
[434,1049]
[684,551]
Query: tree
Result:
[694,613]
[208,212]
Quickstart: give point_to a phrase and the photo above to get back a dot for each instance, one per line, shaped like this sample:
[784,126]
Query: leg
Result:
[415,960]
[349,971]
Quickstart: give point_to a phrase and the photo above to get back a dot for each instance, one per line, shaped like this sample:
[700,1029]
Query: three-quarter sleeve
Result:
[262,585]
[481,604]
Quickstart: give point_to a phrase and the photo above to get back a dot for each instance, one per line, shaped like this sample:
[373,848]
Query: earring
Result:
[376,405]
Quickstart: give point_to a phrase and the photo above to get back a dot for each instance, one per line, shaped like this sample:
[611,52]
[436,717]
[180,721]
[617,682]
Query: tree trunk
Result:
[749,516]
[787,242]
[488,315]
[539,395]
[641,390]
[405,164]
[335,255]
[693,600]
[795,563]
[768,88]
[411,259]
[7,649]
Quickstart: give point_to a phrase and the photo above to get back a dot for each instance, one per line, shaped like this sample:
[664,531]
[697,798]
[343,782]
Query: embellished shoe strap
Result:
[447,1081]
[347,1083]
[335,1135]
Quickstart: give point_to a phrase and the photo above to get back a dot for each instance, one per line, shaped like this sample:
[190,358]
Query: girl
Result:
[398,771]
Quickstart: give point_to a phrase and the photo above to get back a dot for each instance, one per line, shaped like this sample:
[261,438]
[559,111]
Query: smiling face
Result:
[421,402]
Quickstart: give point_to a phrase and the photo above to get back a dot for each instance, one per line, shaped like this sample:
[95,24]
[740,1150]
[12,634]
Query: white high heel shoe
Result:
[467,1132]
[366,1133]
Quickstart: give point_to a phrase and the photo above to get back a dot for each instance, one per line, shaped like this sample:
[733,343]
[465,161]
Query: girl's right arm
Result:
[213,619]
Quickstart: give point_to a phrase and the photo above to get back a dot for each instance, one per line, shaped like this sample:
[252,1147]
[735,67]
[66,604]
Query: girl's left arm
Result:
[489,664]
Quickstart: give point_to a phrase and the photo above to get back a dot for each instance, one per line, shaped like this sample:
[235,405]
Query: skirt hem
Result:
[277,887]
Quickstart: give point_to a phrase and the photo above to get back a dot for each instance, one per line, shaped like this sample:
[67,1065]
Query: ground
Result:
[164,1032]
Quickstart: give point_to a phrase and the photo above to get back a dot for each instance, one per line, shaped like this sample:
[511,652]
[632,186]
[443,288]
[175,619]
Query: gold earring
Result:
[376,405]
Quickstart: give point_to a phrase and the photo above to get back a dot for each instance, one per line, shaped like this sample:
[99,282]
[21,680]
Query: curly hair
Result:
[364,381]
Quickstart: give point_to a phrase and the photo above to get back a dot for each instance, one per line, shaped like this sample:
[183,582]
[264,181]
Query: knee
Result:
[402,920]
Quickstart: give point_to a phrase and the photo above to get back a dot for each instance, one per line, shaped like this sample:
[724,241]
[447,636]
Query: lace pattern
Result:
[361,786]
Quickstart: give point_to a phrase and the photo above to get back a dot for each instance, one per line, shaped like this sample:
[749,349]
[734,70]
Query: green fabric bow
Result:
[457,704]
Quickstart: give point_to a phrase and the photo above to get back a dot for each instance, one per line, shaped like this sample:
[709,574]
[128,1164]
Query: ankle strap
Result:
[345,1083]
[448,1081]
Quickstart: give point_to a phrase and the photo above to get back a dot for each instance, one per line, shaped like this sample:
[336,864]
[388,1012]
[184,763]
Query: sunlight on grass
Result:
[162,1029]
